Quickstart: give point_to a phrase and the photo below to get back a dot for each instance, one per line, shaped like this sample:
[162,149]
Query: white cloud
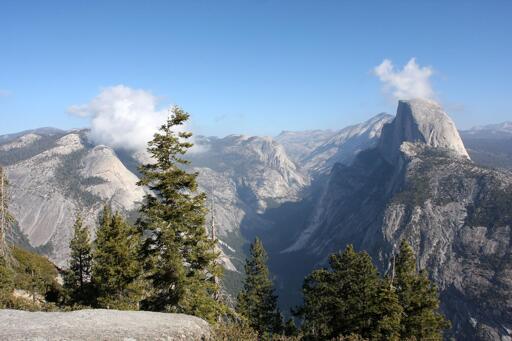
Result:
[122,117]
[413,81]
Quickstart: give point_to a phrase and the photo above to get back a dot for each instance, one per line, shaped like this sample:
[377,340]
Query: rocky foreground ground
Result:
[98,324]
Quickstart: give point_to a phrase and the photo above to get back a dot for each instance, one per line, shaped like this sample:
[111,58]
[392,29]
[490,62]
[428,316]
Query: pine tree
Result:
[5,221]
[179,258]
[388,313]
[290,329]
[419,299]
[115,267]
[257,302]
[349,298]
[6,283]
[6,273]
[77,279]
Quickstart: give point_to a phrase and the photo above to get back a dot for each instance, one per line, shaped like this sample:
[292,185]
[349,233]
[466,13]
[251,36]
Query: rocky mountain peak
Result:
[491,131]
[420,121]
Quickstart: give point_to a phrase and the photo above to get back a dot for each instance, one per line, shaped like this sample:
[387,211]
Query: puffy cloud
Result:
[413,81]
[122,117]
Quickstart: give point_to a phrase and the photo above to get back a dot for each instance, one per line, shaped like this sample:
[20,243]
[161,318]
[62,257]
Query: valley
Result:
[307,194]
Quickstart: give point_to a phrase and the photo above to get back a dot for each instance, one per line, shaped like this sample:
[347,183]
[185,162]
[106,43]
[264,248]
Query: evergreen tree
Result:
[257,302]
[6,221]
[179,258]
[349,298]
[115,269]
[419,299]
[6,273]
[388,313]
[6,283]
[290,329]
[77,280]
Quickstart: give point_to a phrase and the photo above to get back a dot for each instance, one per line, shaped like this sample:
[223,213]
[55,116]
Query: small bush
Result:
[233,332]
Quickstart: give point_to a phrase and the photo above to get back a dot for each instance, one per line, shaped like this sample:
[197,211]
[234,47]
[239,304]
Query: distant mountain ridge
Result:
[306,194]
[418,185]
[503,129]
[54,176]
[43,131]
[490,145]
[327,148]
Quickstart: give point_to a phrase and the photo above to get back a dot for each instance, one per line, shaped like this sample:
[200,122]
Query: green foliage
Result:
[419,299]
[116,269]
[290,329]
[349,298]
[493,208]
[231,331]
[238,331]
[179,258]
[6,283]
[351,337]
[77,280]
[389,312]
[257,302]
[32,274]
[418,189]
[6,220]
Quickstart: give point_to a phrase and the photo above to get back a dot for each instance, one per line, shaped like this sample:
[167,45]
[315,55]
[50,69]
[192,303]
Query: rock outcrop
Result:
[370,185]
[300,144]
[424,122]
[54,176]
[93,325]
[243,176]
[420,185]
[317,151]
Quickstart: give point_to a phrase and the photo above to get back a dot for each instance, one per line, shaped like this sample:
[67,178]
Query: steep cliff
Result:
[419,184]
[55,176]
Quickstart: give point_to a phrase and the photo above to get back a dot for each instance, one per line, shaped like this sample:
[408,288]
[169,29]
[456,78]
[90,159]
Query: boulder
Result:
[99,324]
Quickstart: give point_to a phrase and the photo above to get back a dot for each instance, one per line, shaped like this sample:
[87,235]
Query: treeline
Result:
[167,262]
[349,300]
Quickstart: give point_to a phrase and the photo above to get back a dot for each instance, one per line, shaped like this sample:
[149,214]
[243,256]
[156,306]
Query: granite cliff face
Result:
[249,176]
[324,150]
[243,176]
[300,144]
[308,194]
[420,121]
[55,176]
[419,184]
[258,166]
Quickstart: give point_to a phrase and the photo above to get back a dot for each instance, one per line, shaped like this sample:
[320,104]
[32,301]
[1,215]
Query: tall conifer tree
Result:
[257,302]
[6,283]
[77,279]
[115,269]
[388,313]
[5,221]
[349,298]
[419,299]
[6,259]
[179,256]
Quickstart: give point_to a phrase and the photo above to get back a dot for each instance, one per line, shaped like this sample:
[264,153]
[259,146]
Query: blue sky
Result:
[253,67]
